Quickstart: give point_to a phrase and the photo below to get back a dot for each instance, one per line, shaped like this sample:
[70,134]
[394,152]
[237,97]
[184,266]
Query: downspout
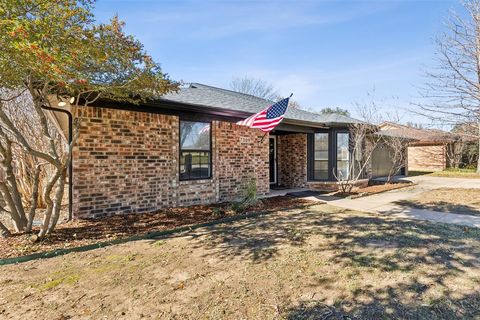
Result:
[70,166]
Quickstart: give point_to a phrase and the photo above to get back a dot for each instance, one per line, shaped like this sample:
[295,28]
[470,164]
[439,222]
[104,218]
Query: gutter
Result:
[165,106]
[70,166]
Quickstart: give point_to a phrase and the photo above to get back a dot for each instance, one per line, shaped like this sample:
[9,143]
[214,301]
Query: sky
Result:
[327,53]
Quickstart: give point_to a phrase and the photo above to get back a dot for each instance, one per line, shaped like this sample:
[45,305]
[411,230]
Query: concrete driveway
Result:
[384,203]
[429,182]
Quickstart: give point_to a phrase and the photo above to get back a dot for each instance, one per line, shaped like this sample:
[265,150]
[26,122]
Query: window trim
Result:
[180,150]
[311,155]
[336,132]
[332,153]
[329,156]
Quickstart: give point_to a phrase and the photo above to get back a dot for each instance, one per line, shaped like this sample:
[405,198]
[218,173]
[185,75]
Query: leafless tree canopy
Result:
[260,88]
[363,142]
[453,90]
[255,87]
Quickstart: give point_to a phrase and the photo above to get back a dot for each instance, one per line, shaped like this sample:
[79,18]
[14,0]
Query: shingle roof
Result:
[421,135]
[212,97]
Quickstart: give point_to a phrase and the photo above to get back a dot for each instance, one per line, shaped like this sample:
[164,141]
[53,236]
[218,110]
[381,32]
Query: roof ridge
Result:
[231,91]
[248,95]
[209,96]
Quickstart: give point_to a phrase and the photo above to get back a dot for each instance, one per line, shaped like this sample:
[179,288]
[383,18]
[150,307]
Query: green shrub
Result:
[249,196]
[250,192]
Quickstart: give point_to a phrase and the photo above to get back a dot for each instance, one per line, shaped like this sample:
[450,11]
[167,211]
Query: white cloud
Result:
[220,19]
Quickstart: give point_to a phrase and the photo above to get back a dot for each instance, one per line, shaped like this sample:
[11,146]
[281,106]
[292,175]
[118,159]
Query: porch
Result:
[311,160]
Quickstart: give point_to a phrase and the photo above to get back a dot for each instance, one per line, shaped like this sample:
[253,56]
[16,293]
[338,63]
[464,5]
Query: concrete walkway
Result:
[384,203]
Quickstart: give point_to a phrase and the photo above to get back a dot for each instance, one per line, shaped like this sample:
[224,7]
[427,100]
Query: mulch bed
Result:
[377,188]
[373,189]
[83,232]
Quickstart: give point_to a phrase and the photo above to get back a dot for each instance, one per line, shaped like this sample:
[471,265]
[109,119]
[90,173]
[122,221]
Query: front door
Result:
[273,159]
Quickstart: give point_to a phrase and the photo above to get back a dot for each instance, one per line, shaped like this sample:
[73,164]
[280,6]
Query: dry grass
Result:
[453,200]
[449,173]
[84,232]
[314,263]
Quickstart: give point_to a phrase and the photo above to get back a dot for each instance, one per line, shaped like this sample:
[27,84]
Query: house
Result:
[185,148]
[428,149]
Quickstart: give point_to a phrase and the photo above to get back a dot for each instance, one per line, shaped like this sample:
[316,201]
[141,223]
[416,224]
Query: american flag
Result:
[267,119]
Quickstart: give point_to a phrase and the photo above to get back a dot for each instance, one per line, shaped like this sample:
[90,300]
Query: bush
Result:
[249,196]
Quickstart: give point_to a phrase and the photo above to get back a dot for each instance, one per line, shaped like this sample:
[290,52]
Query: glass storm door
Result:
[343,155]
[273,159]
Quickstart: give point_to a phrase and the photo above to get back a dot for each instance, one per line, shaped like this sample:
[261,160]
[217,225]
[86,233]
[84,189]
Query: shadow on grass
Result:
[432,252]
[260,238]
[442,206]
[387,304]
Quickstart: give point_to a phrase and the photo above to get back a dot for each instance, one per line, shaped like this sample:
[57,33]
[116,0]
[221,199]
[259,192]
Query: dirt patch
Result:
[83,232]
[452,200]
[320,262]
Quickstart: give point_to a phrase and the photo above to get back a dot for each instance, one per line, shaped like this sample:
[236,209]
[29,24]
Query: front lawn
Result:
[85,232]
[453,200]
[319,262]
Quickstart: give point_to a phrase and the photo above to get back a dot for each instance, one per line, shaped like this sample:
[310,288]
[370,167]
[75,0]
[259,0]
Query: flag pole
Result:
[261,140]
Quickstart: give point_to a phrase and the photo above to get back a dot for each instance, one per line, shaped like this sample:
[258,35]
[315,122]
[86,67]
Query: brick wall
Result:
[241,155]
[127,162]
[292,160]
[427,158]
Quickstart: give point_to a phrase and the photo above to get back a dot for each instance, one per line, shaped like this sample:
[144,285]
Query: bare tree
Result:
[25,176]
[261,89]
[49,151]
[363,142]
[255,87]
[454,152]
[453,92]
[397,150]
[467,151]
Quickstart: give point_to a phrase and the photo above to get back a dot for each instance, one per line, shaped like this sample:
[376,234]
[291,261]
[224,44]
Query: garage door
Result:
[381,162]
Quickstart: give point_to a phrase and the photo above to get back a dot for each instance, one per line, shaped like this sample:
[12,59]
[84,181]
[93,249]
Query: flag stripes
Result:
[267,119]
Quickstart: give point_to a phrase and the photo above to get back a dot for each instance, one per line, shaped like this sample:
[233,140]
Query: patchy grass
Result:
[453,200]
[457,173]
[52,283]
[449,173]
[84,232]
[314,263]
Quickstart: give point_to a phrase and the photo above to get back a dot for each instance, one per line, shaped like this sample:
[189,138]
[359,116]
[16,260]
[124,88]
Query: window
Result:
[320,162]
[343,155]
[195,150]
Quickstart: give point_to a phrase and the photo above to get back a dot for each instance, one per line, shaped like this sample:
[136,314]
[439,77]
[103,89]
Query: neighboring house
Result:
[428,149]
[184,148]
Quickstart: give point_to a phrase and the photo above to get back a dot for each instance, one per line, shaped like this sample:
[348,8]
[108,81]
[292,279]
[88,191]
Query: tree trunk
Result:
[17,199]
[33,204]
[48,200]
[478,160]
[57,204]
[4,232]
[11,208]
[11,182]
